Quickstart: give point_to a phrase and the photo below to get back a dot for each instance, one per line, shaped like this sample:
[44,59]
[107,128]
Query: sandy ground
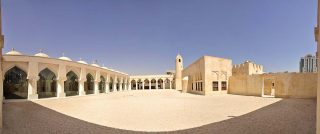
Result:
[161,111]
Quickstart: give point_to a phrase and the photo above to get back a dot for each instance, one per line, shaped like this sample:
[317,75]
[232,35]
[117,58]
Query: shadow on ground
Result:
[288,116]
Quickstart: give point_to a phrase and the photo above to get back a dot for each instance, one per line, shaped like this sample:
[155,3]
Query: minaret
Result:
[179,68]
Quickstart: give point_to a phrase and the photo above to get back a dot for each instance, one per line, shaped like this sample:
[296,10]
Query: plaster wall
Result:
[206,70]
[216,69]
[286,85]
[194,72]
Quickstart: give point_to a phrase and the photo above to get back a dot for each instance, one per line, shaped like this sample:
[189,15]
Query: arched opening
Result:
[133,85]
[173,84]
[153,84]
[111,84]
[47,84]
[118,85]
[89,84]
[71,85]
[15,84]
[102,85]
[167,84]
[123,86]
[160,84]
[139,83]
[146,84]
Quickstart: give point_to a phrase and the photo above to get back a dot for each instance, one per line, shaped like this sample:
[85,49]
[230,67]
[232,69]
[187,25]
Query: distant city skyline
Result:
[144,37]
[308,63]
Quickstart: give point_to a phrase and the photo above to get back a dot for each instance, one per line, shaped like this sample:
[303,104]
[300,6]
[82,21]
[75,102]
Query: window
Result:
[272,84]
[179,60]
[223,85]
[192,86]
[196,86]
[215,86]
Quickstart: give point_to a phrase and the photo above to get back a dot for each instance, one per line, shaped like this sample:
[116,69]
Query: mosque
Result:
[41,76]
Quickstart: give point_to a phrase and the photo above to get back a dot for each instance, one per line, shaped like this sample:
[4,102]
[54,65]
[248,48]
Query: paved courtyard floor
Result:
[161,111]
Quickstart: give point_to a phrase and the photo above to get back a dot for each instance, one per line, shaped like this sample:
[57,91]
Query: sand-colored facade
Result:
[32,66]
[280,85]
[147,82]
[249,78]
[207,75]
[247,68]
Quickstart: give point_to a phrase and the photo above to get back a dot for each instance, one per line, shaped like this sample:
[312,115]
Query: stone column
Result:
[60,89]
[60,81]
[142,85]
[219,85]
[96,87]
[170,84]
[107,87]
[120,86]
[129,86]
[114,86]
[32,88]
[157,84]
[150,84]
[81,88]
[125,86]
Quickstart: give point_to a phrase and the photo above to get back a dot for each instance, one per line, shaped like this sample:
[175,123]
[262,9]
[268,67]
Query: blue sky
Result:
[144,36]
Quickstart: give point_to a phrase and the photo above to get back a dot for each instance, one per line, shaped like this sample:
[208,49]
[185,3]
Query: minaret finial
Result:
[40,50]
[62,54]
[80,59]
[12,49]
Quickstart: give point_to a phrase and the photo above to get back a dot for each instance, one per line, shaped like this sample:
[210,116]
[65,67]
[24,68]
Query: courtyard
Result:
[160,111]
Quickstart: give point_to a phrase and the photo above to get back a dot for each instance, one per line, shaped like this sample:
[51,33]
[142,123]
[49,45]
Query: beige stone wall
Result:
[33,65]
[246,85]
[216,69]
[247,68]
[291,85]
[294,85]
[194,72]
[206,70]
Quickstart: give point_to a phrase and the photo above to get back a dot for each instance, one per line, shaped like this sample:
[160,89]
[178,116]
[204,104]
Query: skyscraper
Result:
[308,63]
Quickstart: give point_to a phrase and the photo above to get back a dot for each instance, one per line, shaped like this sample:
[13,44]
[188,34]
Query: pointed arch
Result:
[71,85]
[160,84]
[89,84]
[167,84]
[146,84]
[111,84]
[102,84]
[133,85]
[153,84]
[118,84]
[47,84]
[15,85]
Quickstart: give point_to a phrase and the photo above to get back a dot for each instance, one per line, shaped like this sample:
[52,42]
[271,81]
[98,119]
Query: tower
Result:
[179,68]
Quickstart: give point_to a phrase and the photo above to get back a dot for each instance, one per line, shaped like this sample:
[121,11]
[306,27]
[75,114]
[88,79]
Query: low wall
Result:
[286,85]
[295,85]
[246,85]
